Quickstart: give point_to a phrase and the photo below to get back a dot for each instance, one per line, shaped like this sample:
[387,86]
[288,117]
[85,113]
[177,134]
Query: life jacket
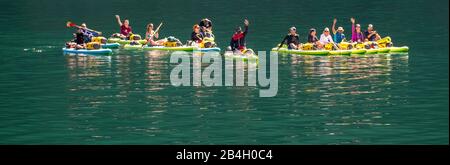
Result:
[345,46]
[101,40]
[308,46]
[135,37]
[238,36]
[93,45]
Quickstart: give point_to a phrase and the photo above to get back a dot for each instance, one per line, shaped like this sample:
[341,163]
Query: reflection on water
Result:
[132,94]
[334,86]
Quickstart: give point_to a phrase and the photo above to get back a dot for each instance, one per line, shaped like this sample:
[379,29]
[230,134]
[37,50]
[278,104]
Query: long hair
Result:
[148,26]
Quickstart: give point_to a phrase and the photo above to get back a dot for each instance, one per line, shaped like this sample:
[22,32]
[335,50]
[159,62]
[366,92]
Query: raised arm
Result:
[118,20]
[333,28]
[353,29]
[246,26]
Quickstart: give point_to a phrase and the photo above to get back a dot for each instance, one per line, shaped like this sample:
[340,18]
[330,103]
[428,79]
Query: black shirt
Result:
[312,39]
[196,37]
[366,35]
[79,38]
[289,39]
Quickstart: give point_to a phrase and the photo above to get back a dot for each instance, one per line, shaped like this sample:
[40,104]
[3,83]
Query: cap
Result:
[340,28]
[358,25]
[326,29]
[293,28]
[312,30]
[370,25]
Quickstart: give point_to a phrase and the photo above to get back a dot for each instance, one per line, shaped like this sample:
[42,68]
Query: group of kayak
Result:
[367,42]
[202,39]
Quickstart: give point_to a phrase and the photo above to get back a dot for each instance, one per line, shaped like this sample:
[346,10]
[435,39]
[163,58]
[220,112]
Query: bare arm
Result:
[333,28]
[118,20]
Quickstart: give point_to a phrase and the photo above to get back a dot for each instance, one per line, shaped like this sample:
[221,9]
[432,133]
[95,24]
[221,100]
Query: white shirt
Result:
[326,39]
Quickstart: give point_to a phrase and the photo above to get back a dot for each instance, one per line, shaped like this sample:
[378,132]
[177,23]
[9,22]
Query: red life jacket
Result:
[238,36]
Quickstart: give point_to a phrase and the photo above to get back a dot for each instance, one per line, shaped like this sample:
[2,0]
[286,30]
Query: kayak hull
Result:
[359,51]
[340,52]
[111,45]
[230,55]
[85,51]
[215,49]
[124,42]
[303,52]
[180,48]
[402,49]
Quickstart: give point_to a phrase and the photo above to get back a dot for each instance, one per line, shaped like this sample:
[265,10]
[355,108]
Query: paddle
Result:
[71,24]
[154,32]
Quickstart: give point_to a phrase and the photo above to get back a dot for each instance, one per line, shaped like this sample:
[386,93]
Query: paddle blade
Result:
[70,24]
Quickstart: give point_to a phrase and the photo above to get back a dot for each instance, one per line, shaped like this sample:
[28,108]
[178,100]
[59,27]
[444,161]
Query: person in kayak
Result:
[338,34]
[238,39]
[88,34]
[292,39]
[78,42]
[312,38]
[150,36]
[125,28]
[196,36]
[357,35]
[370,34]
[325,38]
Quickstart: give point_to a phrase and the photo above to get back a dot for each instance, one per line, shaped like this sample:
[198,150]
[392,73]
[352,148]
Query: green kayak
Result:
[303,52]
[244,57]
[402,49]
[179,48]
[359,51]
[140,47]
[371,51]
[124,42]
[340,52]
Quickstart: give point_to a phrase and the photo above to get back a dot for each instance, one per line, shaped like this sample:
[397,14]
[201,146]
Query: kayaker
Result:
[150,36]
[196,36]
[292,39]
[206,31]
[238,39]
[338,34]
[78,42]
[357,35]
[87,33]
[325,37]
[312,38]
[125,28]
[370,34]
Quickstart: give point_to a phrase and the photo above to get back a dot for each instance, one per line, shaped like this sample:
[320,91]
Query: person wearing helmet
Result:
[357,35]
[370,34]
[238,39]
[338,35]
[292,39]
[205,25]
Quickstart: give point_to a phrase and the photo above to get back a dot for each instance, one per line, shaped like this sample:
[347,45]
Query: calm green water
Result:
[50,98]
